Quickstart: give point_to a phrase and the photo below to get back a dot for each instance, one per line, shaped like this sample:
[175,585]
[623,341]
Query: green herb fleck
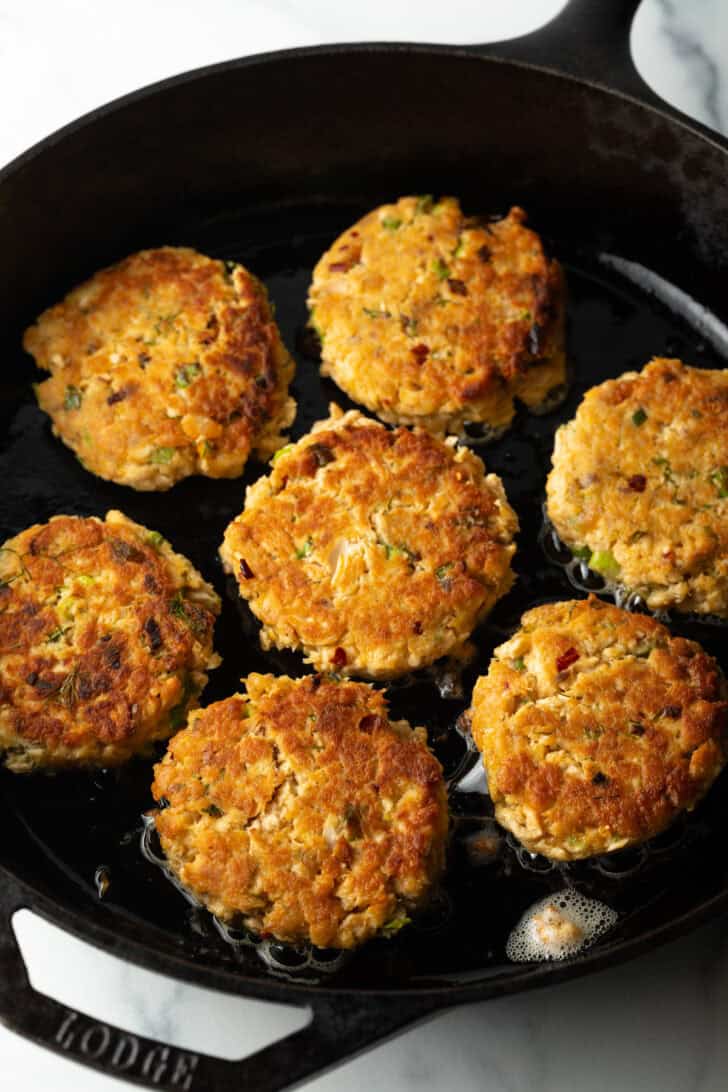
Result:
[439,268]
[155,539]
[177,607]
[394,925]
[457,252]
[719,478]
[214,811]
[442,571]
[305,550]
[57,634]
[73,398]
[68,690]
[582,552]
[604,562]
[397,551]
[372,312]
[639,417]
[162,455]
[280,452]
[665,466]
[424,203]
[519,664]
[185,375]
[391,223]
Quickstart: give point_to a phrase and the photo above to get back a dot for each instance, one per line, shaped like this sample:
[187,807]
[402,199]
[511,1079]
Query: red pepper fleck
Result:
[417,627]
[637,483]
[420,353]
[566,659]
[484,254]
[368,722]
[672,711]
[339,658]
[340,267]
[246,569]
[457,286]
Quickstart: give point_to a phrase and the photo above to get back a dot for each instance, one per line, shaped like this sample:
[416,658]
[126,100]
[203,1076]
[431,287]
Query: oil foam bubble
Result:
[559,926]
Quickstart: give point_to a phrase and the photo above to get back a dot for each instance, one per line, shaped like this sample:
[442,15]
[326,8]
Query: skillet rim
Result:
[143,952]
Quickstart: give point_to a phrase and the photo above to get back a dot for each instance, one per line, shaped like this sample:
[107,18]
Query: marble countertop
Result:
[656,1023]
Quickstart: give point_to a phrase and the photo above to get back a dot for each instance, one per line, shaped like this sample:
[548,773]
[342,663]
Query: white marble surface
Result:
[655,1024]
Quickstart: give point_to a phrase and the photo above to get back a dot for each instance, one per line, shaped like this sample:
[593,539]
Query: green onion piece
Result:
[184,375]
[155,539]
[73,398]
[719,479]
[665,466]
[519,664]
[373,313]
[639,417]
[305,550]
[280,452]
[604,562]
[443,570]
[440,269]
[162,455]
[582,552]
[457,252]
[391,223]
[394,925]
[397,551]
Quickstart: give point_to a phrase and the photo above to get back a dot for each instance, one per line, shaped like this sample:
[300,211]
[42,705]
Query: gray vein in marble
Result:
[705,70]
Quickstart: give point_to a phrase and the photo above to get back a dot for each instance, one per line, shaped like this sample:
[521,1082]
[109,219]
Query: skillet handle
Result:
[588,39]
[338,1029]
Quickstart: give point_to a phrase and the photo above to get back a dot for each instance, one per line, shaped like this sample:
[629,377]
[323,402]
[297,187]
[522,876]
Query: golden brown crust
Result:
[164,365]
[430,317]
[640,479]
[105,639]
[374,551]
[300,808]
[597,727]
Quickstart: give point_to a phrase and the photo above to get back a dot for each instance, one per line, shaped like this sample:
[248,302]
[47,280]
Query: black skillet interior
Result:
[88,821]
[332,134]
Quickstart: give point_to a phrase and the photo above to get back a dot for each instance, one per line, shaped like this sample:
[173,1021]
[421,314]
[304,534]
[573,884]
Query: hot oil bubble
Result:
[102,880]
[559,926]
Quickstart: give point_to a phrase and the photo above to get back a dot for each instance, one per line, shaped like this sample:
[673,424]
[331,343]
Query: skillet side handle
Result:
[338,1029]
[589,39]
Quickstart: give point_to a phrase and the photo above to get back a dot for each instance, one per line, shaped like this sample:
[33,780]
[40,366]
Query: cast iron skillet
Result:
[265,159]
